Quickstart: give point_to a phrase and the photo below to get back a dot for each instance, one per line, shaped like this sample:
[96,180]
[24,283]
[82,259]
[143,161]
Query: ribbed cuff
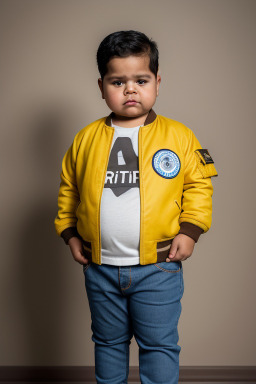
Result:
[68,233]
[191,230]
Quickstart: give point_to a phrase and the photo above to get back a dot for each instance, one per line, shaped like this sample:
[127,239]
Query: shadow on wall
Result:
[42,266]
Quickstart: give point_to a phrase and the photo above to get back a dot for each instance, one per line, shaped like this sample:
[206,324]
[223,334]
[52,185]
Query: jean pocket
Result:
[171,267]
[86,266]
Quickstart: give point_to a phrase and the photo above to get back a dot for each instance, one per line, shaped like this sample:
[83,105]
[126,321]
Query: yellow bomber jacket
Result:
[175,186]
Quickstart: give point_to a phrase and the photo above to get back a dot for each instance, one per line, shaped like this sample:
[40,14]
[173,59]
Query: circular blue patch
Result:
[166,163]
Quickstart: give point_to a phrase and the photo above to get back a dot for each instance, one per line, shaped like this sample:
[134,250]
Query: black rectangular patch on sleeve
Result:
[206,156]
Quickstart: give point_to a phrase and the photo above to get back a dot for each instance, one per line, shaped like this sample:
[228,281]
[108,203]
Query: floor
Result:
[76,382]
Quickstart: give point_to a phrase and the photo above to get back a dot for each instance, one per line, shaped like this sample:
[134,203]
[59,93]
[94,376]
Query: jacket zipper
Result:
[102,186]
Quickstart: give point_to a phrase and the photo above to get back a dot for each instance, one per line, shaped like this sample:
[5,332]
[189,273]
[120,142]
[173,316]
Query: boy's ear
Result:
[100,83]
[158,81]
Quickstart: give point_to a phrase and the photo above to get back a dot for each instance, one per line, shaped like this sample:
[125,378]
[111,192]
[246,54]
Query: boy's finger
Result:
[172,252]
[84,260]
[81,259]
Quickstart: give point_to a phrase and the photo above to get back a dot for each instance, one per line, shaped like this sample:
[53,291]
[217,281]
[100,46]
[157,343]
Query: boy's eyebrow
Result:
[124,77]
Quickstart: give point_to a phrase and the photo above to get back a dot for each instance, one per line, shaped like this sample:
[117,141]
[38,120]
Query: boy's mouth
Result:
[130,102]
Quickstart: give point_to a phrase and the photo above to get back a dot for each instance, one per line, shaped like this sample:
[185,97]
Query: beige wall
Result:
[49,92]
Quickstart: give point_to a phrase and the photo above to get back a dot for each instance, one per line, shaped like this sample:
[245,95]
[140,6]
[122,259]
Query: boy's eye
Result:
[118,83]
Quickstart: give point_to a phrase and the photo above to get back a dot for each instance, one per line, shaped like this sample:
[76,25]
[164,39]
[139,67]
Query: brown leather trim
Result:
[68,233]
[191,230]
[163,249]
[87,244]
[108,119]
[149,119]
[87,250]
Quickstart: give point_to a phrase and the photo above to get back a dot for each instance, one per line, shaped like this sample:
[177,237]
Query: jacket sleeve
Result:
[68,198]
[196,212]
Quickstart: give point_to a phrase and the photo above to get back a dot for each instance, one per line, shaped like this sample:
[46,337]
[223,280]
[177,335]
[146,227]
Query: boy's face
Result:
[130,88]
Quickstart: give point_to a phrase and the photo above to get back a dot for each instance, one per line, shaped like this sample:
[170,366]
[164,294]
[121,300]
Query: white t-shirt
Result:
[120,202]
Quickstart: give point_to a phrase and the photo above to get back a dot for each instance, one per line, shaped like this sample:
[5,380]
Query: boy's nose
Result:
[130,88]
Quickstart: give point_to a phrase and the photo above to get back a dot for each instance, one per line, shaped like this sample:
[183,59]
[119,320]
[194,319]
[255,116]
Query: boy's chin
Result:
[130,116]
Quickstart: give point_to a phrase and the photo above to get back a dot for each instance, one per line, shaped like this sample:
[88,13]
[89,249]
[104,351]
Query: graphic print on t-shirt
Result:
[123,167]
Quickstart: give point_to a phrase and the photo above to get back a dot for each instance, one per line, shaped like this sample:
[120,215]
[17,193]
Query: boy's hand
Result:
[76,247]
[181,248]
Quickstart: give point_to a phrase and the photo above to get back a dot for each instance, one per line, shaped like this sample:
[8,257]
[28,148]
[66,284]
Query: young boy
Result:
[135,196]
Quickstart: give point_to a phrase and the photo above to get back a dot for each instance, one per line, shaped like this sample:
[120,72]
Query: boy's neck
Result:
[128,122]
[148,120]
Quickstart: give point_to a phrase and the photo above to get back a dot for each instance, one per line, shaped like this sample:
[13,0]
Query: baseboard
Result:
[85,374]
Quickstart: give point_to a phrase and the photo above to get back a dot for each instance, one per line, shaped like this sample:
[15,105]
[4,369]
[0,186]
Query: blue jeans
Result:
[139,300]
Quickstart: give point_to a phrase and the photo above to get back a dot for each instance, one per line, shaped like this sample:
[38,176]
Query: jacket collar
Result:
[149,119]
